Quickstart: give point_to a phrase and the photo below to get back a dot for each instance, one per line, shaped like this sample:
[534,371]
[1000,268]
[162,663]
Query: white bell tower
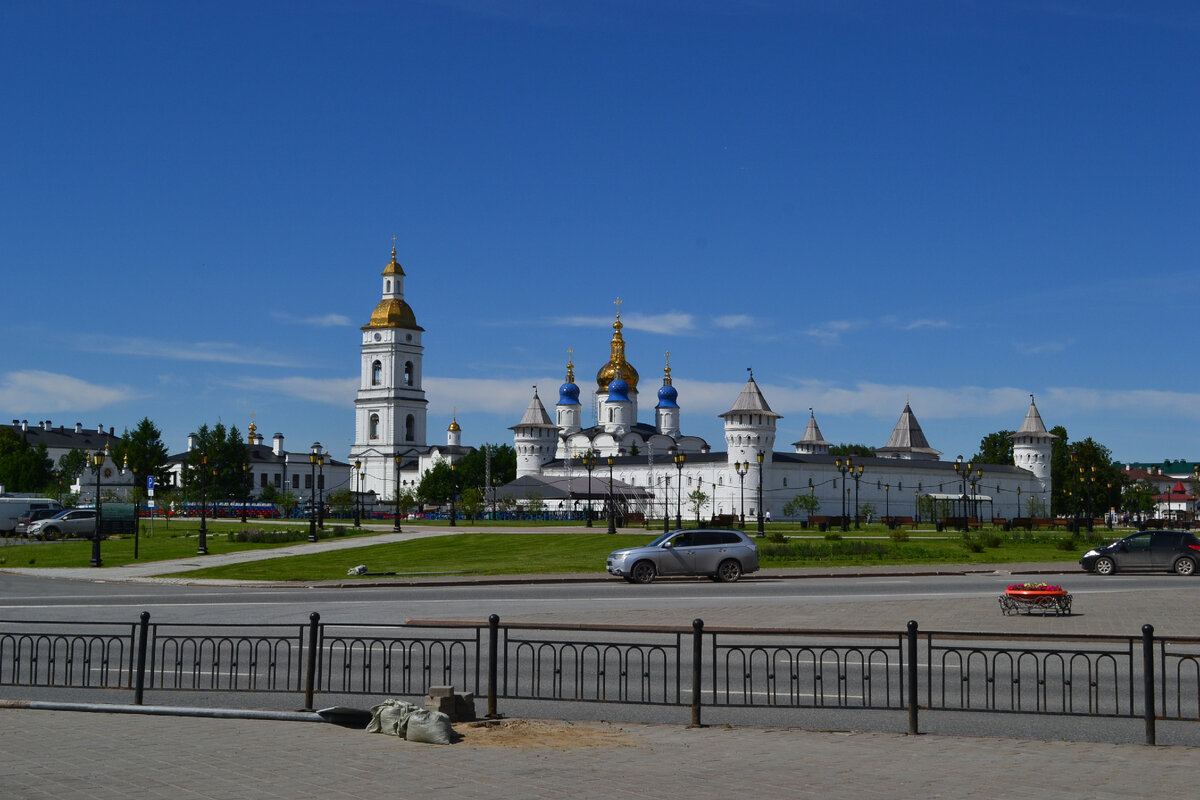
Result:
[390,408]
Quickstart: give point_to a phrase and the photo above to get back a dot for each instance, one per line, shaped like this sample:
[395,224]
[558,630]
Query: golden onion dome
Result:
[454,426]
[393,267]
[617,362]
[393,313]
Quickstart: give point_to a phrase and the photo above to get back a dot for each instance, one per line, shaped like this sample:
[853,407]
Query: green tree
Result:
[145,453]
[342,502]
[437,484]
[534,504]
[71,465]
[844,449]
[23,467]
[807,503]
[866,511]
[471,503]
[995,448]
[1081,472]
[225,453]
[696,501]
[472,468]
[1036,507]
[1138,498]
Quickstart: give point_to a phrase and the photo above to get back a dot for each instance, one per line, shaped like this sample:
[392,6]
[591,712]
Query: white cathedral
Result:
[656,466]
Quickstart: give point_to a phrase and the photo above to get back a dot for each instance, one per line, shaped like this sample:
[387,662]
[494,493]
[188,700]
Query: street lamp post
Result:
[680,460]
[964,474]
[358,478]
[453,492]
[495,484]
[887,505]
[844,465]
[741,469]
[202,548]
[589,463]
[1018,502]
[612,511]
[761,532]
[858,471]
[98,462]
[245,491]
[312,491]
[396,521]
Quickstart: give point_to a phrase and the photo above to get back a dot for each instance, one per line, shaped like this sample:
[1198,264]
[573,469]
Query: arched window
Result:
[376,373]
[408,373]
[374,427]
[410,424]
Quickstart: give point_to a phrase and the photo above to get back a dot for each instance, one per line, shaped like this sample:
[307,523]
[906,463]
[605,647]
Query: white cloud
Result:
[667,323]
[330,391]
[831,332]
[38,391]
[323,321]
[734,321]
[219,352]
[926,323]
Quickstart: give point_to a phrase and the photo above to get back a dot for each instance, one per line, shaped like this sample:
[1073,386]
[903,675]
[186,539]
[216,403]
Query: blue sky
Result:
[956,203]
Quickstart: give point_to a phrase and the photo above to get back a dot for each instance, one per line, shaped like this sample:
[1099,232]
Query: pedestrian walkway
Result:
[54,754]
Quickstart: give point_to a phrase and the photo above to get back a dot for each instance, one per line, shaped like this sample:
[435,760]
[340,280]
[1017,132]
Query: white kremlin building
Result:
[656,466]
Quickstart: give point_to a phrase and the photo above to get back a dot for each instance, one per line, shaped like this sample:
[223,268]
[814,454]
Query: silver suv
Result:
[722,555]
[74,522]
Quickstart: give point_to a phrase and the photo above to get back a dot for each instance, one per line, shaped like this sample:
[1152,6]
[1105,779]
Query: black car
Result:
[1167,551]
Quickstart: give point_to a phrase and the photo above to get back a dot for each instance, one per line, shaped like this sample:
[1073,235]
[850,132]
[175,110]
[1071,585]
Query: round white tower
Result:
[1032,446]
[535,438]
[454,432]
[750,426]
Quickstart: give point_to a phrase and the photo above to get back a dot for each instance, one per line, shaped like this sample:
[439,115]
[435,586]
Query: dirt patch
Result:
[532,734]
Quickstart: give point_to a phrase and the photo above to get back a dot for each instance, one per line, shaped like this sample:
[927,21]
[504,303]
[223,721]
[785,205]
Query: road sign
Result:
[150,483]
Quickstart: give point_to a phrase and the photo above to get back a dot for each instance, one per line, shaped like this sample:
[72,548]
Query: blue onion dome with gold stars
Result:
[617,363]
[668,395]
[568,393]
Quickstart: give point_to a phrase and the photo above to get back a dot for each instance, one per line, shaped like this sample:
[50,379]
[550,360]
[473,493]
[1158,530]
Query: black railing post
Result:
[697,655]
[912,678]
[139,685]
[310,669]
[493,659]
[1148,681]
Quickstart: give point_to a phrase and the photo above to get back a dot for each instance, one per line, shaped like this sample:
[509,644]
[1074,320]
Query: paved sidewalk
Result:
[52,754]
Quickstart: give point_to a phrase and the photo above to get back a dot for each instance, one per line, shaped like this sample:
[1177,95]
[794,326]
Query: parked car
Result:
[722,555]
[74,522]
[1168,551]
[30,517]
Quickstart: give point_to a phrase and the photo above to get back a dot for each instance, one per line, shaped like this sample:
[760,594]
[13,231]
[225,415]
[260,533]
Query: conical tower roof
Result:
[907,436]
[1033,425]
[535,415]
[812,435]
[751,401]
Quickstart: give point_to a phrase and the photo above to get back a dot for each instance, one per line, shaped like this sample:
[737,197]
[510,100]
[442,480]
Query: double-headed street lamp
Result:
[680,460]
[964,474]
[321,489]
[589,463]
[202,548]
[97,462]
[741,469]
[612,511]
[313,455]
[856,474]
[357,477]
[761,532]
[844,465]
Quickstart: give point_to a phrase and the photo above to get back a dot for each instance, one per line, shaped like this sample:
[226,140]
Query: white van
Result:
[11,508]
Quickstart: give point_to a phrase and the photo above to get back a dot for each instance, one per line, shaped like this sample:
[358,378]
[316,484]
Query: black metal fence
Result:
[1140,676]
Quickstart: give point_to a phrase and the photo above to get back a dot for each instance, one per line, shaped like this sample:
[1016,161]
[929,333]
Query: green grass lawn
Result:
[515,554]
[179,540]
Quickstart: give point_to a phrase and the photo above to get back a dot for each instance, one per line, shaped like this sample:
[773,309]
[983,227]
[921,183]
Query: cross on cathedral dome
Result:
[617,365]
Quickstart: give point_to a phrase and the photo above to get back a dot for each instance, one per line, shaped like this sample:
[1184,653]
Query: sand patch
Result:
[532,734]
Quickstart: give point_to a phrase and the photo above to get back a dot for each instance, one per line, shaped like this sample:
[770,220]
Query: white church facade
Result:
[656,466]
